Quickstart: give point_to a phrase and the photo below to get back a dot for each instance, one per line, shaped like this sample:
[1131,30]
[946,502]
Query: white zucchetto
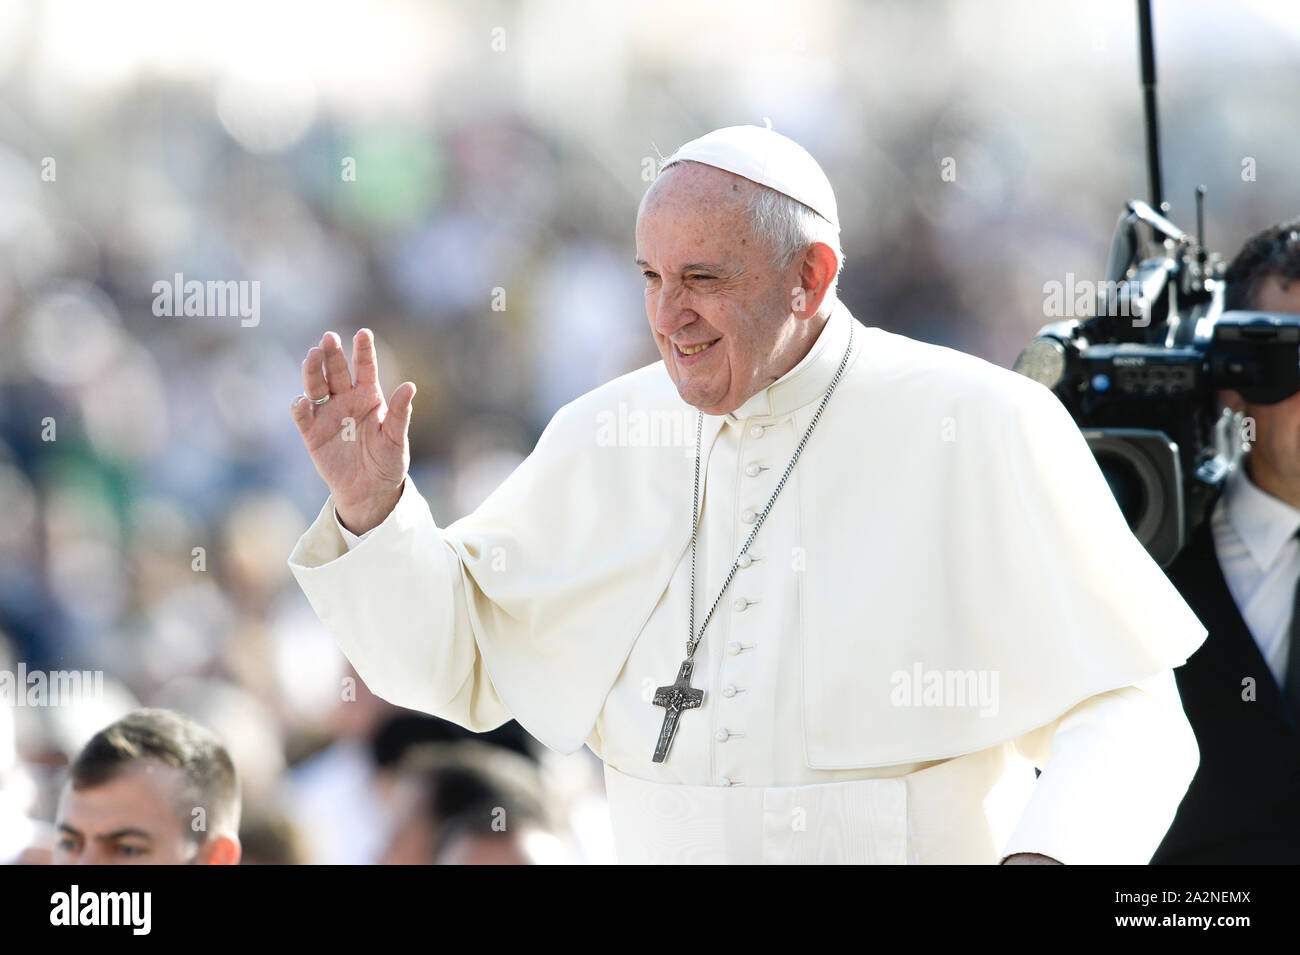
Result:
[768,158]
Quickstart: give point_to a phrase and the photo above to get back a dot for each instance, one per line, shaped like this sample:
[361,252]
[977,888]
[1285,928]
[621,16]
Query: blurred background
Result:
[462,177]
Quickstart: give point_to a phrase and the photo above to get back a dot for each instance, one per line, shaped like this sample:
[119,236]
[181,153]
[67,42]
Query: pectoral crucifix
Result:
[675,698]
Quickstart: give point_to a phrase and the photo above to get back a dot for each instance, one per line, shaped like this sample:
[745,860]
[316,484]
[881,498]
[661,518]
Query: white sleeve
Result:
[1114,770]
[397,609]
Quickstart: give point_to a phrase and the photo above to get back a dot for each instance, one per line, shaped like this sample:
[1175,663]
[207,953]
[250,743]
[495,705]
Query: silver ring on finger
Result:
[317,401]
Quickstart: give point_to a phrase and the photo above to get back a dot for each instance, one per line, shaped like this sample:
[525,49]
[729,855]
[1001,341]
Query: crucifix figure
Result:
[675,698]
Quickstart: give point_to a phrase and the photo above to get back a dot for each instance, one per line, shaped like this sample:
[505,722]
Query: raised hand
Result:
[357,442]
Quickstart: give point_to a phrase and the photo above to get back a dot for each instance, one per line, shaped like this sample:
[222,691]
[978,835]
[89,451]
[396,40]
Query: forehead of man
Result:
[146,796]
[694,208]
[1277,294]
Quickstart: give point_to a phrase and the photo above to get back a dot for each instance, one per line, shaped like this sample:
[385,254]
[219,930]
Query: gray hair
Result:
[787,226]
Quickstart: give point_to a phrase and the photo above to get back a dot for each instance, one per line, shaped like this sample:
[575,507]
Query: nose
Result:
[669,310]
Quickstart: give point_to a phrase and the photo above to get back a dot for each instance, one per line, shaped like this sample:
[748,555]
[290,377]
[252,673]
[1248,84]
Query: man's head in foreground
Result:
[1265,276]
[739,277]
[153,788]
[470,803]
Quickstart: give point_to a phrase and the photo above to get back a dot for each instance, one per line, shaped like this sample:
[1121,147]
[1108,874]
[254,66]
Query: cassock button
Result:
[744,561]
[757,431]
[728,691]
[752,470]
[734,648]
[740,604]
[724,781]
[748,516]
[721,736]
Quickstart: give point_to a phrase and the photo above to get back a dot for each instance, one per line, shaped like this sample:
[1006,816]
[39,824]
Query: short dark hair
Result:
[501,817]
[477,789]
[173,739]
[1275,251]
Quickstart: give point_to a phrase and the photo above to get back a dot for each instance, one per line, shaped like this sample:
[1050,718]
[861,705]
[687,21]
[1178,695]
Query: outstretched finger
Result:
[336,364]
[398,420]
[313,374]
[365,363]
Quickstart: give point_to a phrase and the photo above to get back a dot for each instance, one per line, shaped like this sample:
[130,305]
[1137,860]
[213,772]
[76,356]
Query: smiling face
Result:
[131,818]
[723,315]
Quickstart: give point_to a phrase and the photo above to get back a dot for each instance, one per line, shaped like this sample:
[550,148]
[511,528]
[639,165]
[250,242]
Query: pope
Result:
[839,613]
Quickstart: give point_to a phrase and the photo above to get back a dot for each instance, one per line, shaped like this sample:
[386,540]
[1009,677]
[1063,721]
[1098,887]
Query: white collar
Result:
[1263,522]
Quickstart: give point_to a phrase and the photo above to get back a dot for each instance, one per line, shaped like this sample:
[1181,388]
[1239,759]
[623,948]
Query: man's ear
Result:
[815,276]
[1232,400]
[222,850]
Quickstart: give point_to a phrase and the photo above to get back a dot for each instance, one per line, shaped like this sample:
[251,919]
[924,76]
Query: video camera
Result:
[1141,376]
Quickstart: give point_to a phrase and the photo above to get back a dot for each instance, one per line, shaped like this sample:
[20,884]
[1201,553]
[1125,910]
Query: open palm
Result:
[357,441]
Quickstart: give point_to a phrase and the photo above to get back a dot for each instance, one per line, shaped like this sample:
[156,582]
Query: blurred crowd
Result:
[463,179]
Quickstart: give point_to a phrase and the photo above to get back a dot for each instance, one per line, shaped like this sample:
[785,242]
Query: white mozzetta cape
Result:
[951,518]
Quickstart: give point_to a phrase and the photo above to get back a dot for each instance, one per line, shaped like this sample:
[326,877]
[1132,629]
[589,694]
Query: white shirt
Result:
[1254,537]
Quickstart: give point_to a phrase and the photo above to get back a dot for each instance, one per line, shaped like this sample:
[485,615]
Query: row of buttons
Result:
[741,604]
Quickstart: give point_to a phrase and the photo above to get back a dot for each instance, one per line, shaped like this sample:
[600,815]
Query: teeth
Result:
[695,349]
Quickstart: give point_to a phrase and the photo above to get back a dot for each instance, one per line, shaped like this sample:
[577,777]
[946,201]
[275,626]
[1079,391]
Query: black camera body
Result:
[1141,376]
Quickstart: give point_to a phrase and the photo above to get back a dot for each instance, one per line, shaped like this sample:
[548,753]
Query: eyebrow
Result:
[127,832]
[130,831]
[690,267]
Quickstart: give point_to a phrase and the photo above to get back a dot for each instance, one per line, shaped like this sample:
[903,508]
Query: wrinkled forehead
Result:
[696,214]
[692,188]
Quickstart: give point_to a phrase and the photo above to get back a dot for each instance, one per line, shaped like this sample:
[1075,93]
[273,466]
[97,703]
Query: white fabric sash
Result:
[958,811]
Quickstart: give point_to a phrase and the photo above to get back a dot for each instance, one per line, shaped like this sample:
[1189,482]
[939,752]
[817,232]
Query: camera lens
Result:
[1126,484]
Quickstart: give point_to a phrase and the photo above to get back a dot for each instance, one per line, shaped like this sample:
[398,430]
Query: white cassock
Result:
[944,595]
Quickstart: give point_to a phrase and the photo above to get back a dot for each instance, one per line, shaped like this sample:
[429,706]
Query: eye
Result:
[68,844]
[131,850]
[649,276]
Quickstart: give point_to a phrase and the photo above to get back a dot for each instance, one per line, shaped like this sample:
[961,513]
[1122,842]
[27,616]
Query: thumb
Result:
[398,419]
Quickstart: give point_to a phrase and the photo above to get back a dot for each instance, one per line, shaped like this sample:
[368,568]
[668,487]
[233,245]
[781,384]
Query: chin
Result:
[693,395]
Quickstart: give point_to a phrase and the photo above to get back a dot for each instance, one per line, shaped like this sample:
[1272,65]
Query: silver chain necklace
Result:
[680,695]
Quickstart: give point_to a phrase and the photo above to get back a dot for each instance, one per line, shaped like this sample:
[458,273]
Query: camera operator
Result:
[1240,573]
